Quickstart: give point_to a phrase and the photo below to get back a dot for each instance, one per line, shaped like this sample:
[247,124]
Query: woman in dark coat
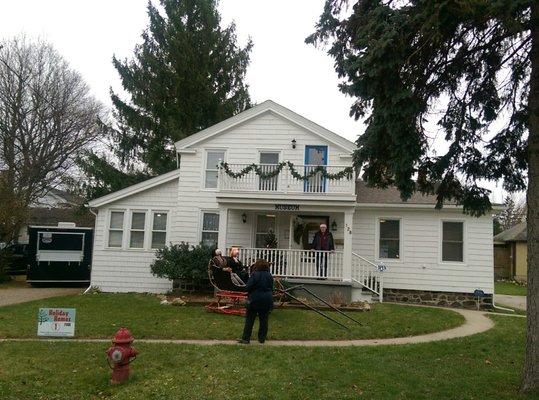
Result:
[260,289]
[235,265]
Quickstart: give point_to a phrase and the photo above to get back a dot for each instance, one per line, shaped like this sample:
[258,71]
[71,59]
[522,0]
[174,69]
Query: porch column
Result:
[223,223]
[347,245]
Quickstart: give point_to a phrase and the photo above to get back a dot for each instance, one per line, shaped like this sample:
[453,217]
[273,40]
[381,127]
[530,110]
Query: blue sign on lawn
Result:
[56,322]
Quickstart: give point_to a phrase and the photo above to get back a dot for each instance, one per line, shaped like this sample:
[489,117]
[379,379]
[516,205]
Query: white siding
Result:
[420,266]
[242,144]
[128,270]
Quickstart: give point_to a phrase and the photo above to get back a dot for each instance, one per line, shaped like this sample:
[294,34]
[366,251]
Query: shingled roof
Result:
[391,195]
[518,233]
[51,216]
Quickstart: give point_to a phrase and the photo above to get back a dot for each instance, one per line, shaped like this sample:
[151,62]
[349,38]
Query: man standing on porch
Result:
[323,240]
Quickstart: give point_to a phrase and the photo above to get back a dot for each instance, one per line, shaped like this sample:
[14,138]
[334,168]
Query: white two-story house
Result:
[397,250]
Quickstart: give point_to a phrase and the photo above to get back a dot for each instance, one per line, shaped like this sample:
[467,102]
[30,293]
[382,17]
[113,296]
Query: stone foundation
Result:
[442,299]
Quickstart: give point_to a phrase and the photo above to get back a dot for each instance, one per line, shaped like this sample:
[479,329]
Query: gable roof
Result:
[253,112]
[518,233]
[133,189]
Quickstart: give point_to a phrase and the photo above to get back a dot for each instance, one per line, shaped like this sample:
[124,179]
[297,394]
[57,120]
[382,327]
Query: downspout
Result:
[89,287]
[501,308]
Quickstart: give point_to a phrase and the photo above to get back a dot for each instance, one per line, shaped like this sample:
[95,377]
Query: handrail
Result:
[368,274]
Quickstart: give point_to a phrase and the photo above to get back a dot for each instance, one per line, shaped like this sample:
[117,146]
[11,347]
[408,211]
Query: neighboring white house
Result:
[407,249]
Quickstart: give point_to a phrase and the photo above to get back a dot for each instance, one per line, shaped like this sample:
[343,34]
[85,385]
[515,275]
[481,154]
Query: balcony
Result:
[285,183]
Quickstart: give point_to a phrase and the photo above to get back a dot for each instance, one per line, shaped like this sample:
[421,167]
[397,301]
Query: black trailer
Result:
[59,254]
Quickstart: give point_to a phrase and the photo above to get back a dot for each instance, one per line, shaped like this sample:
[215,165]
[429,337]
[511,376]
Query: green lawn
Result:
[484,366]
[511,288]
[100,315]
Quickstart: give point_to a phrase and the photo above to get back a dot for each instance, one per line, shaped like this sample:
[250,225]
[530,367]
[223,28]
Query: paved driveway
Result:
[14,293]
[510,301]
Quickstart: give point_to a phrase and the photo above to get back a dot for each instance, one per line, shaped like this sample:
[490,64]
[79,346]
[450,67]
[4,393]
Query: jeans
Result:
[250,321]
[322,264]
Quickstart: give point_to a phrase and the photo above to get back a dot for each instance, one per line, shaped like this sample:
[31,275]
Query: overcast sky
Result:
[283,68]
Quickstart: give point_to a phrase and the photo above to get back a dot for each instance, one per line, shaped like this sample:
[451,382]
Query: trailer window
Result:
[159,230]
[116,228]
[136,237]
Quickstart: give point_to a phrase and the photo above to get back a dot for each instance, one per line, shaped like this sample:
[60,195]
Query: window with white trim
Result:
[136,233]
[210,229]
[159,229]
[452,241]
[268,164]
[212,164]
[116,228]
[264,225]
[389,238]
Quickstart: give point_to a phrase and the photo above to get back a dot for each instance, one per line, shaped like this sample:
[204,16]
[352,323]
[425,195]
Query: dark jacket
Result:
[236,266]
[260,289]
[317,241]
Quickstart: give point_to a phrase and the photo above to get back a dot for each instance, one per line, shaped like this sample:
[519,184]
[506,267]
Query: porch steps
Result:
[360,293]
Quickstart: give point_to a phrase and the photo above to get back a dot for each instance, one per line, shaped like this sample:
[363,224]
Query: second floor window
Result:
[213,158]
[389,244]
[268,161]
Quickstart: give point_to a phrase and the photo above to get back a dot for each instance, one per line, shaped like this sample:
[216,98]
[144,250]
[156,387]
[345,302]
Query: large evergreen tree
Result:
[186,75]
[476,60]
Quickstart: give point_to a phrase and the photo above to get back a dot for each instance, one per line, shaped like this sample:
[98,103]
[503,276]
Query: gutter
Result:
[95,215]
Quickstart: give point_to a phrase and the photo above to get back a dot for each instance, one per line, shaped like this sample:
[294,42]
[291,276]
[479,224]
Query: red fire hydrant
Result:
[119,355]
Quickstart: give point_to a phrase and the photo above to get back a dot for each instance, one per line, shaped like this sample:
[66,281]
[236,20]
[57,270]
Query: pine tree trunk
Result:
[530,380]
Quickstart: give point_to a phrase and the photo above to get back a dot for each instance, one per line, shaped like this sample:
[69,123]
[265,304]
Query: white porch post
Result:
[223,223]
[347,245]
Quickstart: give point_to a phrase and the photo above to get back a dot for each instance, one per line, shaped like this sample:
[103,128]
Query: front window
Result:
[210,229]
[116,227]
[264,225]
[212,167]
[159,230]
[452,241]
[136,237]
[389,244]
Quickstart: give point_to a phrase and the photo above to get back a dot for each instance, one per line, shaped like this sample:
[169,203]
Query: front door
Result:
[315,156]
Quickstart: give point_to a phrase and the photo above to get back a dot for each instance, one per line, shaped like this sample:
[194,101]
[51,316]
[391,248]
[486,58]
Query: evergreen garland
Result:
[347,172]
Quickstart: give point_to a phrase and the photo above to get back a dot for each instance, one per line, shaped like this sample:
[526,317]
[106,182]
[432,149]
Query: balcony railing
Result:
[285,182]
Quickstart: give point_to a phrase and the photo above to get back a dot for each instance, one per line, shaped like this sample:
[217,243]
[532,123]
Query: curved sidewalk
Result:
[476,322]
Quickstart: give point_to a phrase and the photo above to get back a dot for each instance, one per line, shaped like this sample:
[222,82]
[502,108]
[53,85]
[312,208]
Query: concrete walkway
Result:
[21,293]
[510,301]
[476,322]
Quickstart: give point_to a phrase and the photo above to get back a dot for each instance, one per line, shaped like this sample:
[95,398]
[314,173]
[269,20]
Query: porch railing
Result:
[285,182]
[292,263]
[368,274]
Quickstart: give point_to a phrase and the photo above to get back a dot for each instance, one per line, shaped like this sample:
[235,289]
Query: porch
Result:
[283,238]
